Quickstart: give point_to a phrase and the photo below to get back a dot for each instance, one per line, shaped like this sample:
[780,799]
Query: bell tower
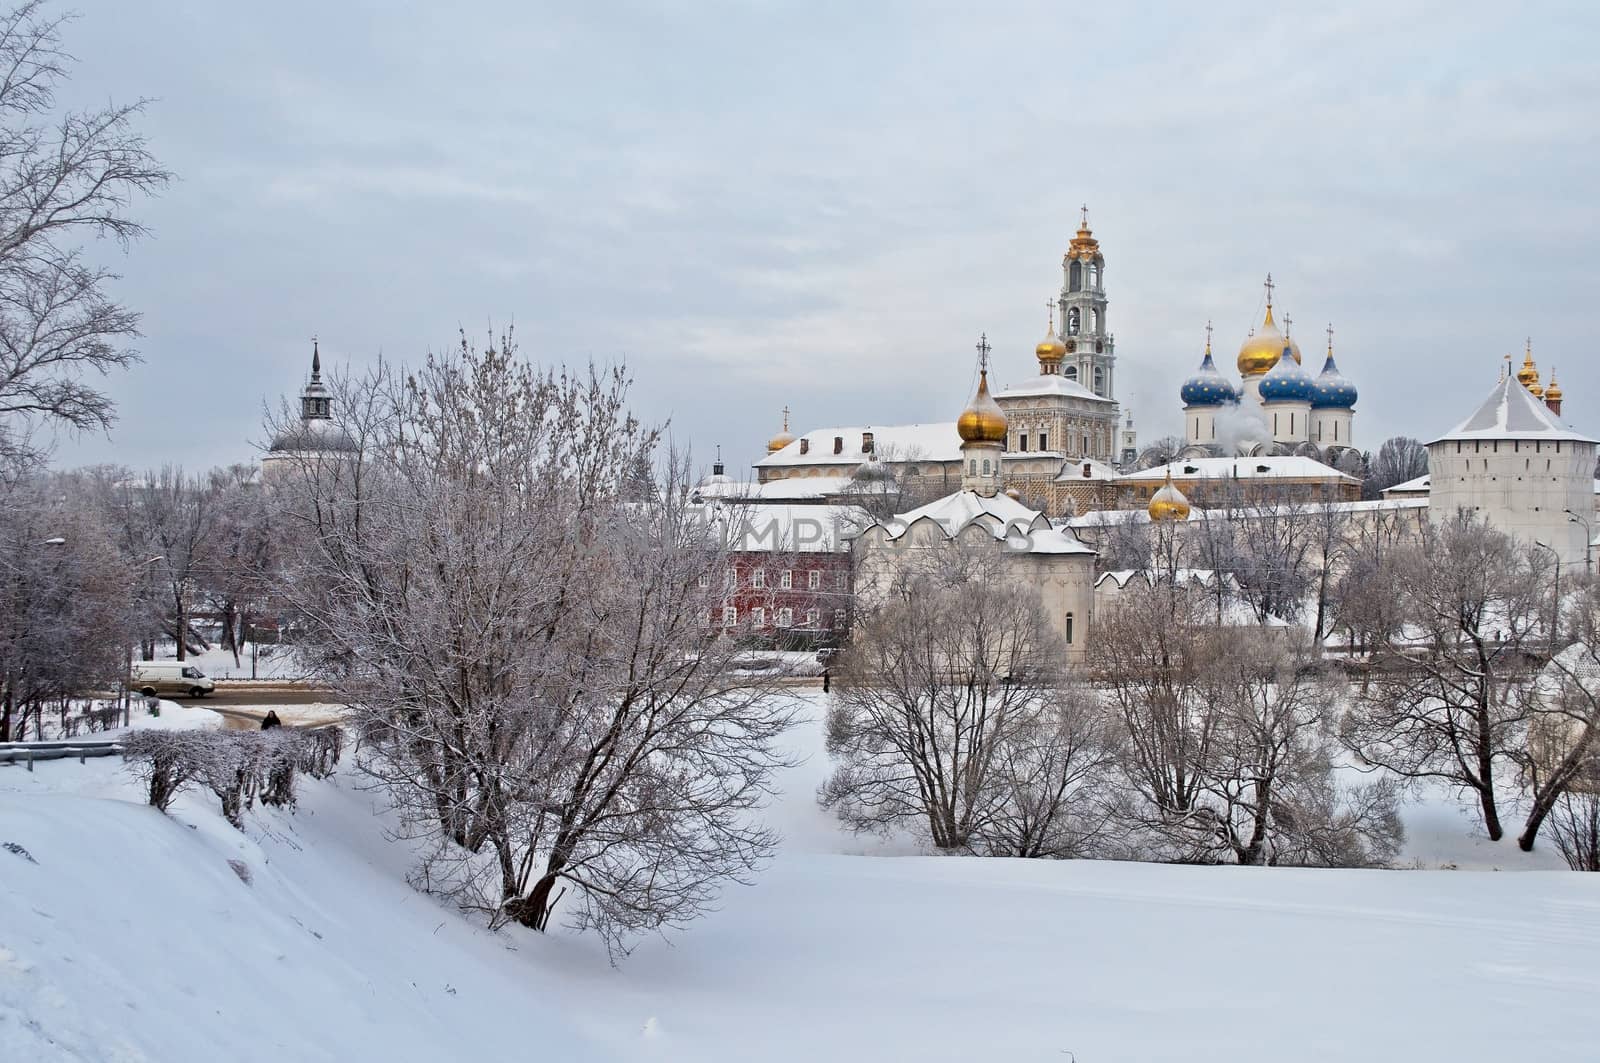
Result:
[1090,357]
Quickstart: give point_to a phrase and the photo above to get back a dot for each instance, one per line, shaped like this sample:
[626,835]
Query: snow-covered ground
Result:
[128,936]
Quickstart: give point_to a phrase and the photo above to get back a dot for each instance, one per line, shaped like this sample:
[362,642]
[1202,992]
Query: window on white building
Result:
[705,580]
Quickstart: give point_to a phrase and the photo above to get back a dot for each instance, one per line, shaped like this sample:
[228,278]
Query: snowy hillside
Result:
[128,936]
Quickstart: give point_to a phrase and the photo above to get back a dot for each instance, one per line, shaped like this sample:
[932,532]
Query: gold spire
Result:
[1084,246]
[1208,337]
[1528,375]
[1553,392]
[1168,503]
[783,438]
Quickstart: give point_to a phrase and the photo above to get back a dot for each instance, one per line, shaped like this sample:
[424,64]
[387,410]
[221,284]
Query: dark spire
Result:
[316,362]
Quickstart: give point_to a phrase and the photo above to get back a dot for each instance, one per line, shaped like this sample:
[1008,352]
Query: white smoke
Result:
[1240,426]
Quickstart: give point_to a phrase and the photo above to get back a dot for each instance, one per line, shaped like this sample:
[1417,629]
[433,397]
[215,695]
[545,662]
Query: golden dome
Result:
[1553,392]
[1262,348]
[982,421]
[1051,349]
[1168,502]
[1528,375]
[1014,494]
[783,438]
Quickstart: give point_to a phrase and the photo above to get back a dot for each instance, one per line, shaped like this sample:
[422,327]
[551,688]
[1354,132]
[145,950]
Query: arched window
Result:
[1070,372]
[1072,322]
[1075,276]
[1099,380]
[1069,629]
[1094,276]
[986,466]
[1094,322]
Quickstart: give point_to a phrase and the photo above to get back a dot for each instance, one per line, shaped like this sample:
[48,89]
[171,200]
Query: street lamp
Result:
[127,674]
[1555,604]
[1588,540]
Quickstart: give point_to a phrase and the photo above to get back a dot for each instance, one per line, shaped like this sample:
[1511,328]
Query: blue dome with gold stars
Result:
[1207,387]
[1332,390]
[1286,381]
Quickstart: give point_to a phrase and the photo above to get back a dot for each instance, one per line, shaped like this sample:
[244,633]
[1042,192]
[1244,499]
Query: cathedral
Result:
[1277,407]
[1065,430]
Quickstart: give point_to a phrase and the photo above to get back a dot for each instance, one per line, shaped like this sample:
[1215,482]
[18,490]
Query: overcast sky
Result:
[823,204]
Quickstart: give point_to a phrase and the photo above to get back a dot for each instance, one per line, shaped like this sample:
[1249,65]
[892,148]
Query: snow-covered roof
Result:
[1277,467]
[1096,470]
[1511,412]
[1051,385]
[896,442]
[720,486]
[793,487]
[1417,485]
[1003,517]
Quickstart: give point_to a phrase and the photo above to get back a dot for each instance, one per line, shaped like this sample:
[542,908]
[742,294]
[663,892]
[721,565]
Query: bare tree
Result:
[174,517]
[1450,702]
[1563,748]
[951,717]
[533,660]
[65,178]
[64,607]
[237,562]
[1398,460]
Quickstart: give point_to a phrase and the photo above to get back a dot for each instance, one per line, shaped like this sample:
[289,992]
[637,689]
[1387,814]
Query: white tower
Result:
[1515,464]
[1090,347]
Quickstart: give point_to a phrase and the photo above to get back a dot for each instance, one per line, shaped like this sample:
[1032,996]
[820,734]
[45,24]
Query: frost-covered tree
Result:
[67,178]
[65,612]
[1228,750]
[1451,699]
[529,649]
[952,718]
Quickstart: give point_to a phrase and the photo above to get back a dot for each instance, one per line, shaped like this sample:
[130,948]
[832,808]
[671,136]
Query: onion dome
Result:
[1050,350]
[1332,390]
[1014,494]
[1553,393]
[1168,503]
[982,421]
[783,438]
[1262,349]
[1287,381]
[1292,347]
[1528,375]
[1208,387]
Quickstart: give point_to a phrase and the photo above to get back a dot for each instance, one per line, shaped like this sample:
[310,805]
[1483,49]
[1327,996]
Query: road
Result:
[242,705]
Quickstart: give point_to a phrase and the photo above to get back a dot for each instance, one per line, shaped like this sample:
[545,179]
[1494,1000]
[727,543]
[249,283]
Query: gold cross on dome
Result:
[1208,335]
[1085,215]
[1269,289]
[1330,340]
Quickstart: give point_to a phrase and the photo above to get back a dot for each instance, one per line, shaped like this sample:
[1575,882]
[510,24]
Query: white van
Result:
[152,678]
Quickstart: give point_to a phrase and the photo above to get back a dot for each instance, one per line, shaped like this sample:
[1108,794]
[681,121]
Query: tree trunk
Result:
[1491,815]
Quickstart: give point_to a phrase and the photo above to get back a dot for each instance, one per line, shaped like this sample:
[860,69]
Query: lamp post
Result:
[127,674]
[1555,603]
[1588,540]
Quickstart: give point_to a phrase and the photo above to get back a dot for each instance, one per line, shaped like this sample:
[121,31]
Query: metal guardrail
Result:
[28,752]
